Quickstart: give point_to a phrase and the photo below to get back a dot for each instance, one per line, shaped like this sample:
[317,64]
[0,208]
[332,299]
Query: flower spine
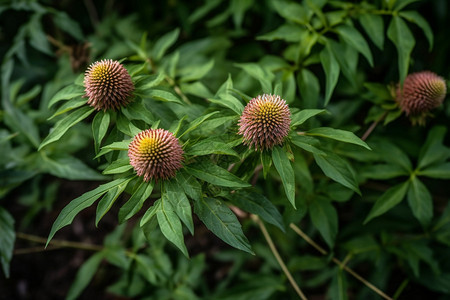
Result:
[155,154]
[265,122]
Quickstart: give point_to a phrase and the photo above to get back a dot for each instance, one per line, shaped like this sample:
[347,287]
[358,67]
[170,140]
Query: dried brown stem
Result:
[373,125]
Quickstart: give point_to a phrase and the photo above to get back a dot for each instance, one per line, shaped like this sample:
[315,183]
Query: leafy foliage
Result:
[335,63]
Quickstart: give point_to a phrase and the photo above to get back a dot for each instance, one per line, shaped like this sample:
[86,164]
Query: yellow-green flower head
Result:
[155,154]
[421,92]
[265,122]
[108,85]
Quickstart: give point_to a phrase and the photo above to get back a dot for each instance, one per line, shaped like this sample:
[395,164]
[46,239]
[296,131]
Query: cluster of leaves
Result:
[197,89]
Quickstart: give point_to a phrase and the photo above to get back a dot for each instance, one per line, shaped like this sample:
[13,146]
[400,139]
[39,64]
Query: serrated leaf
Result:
[388,200]
[399,33]
[420,201]
[324,217]
[286,172]
[137,199]
[337,169]
[302,116]
[164,43]
[374,27]
[105,204]
[67,93]
[176,196]
[222,222]
[353,38]
[339,135]
[69,212]
[100,126]
[118,166]
[65,124]
[259,205]
[331,67]
[170,225]
[7,238]
[212,173]
[84,275]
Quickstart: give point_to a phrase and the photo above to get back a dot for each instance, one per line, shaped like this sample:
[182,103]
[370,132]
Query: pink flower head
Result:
[155,153]
[265,122]
[108,85]
[421,92]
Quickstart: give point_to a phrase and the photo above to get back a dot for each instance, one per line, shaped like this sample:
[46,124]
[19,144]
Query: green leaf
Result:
[163,95]
[416,18]
[286,32]
[150,213]
[229,101]
[67,93]
[324,217]
[65,124]
[68,167]
[284,168]
[302,116]
[126,126]
[21,122]
[259,205]
[337,169]
[212,173]
[100,126]
[437,171]
[399,33]
[164,43]
[307,143]
[309,88]
[147,82]
[388,200]
[374,27]
[196,72]
[7,238]
[197,122]
[137,199]
[331,67]
[69,212]
[212,145]
[190,185]
[176,196]
[123,145]
[420,201]
[383,171]
[170,225]
[68,106]
[399,4]
[391,154]
[118,166]
[339,135]
[353,38]
[67,24]
[84,275]
[137,111]
[338,286]
[264,76]
[433,151]
[347,58]
[222,222]
[292,11]
[105,204]
[266,161]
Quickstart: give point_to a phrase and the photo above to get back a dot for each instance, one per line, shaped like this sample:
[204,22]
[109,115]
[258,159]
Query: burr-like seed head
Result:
[155,154]
[108,85]
[421,92]
[265,122]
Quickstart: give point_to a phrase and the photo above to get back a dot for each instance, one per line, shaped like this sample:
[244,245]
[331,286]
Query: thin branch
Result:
[274,250]
[338,262]
[373,125]
[58,243]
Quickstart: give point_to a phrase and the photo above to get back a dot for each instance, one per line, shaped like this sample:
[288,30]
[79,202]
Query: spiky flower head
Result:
[108,85]
[265,122]
[155,153]
[421,92]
